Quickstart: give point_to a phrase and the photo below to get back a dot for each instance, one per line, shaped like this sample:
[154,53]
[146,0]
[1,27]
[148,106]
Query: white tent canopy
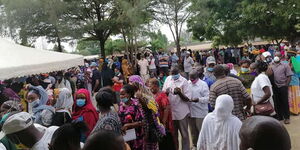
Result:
[91,57]
[18,61]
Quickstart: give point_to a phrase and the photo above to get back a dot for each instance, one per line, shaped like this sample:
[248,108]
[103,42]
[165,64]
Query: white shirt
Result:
[199,90]
[42,144]
[179,107]
[143,66]
[257,86]
[152,64]
[188,64]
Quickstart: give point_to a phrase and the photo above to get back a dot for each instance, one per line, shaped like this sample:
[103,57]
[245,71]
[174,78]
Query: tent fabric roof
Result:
[19,61]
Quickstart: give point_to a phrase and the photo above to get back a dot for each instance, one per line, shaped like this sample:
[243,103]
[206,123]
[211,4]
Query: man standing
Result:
[188,64]
[164,63]
[232,87]
[198,107]
[96,78]
[177,89]
[210,64]
[165,115]
[144,64]
[282,76]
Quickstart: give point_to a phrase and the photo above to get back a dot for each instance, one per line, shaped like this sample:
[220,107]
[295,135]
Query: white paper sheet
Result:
[130,135]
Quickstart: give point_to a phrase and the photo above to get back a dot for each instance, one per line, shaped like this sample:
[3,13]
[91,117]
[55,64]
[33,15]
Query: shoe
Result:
[287,121]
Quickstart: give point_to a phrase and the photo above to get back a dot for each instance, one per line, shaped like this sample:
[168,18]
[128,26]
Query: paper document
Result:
[130,135]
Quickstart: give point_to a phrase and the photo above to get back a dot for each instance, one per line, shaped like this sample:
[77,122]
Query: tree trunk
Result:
[102,48]
[59,48]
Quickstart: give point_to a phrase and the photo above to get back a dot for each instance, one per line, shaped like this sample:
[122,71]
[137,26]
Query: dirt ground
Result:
[294,131]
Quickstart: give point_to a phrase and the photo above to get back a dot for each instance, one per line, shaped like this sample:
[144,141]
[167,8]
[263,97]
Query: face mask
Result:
[276,59]
[269,60]
[194,81]
[124,100]
[175,77]
[244,70]
[34,103]
[210,69]
[80,102]
[117,73]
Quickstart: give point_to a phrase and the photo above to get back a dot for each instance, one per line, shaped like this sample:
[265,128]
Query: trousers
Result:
[281,102]
[195,126]
[182,126]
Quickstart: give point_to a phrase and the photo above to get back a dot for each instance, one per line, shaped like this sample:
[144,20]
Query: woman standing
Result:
[63,107]
[109,119]
[245,75]
[83,110]
[131,116]
[153,129]
[261,87]
[294,94]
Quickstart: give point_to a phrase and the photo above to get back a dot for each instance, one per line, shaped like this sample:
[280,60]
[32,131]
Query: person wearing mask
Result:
[20,129]
[83,110]
[210,64]
[178,93]
[188,64]
[262,133]
[144,66]
[282,76]
[106,76]
[220,129]
[232,87]
[245,75]
[198,105]
[108,118]
[131,116]
[62,103]
[106,140]
[165,115]
[261,88]
[200,70]
[37,98]
[67,137]
[96,78]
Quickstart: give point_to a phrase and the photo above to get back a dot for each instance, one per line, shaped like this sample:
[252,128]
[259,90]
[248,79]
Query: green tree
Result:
[173,13]
[95,18]
[158,41]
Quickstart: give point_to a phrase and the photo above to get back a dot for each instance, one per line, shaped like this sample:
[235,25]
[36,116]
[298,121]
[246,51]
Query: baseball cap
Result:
[210,60]
[266,54]
[17,122]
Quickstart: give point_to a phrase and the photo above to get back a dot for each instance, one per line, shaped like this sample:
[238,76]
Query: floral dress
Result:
[132,113]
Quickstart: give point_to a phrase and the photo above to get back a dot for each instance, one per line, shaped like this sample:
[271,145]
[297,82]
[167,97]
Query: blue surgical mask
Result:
[124,100]
[175,77]
[80,102]
[210,69]
[244,70]
[34,103]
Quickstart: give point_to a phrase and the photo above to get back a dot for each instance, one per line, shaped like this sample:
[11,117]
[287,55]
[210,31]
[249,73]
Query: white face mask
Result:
[33,104]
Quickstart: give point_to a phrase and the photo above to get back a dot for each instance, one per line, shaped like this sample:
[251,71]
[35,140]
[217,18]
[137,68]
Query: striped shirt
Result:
[235,89]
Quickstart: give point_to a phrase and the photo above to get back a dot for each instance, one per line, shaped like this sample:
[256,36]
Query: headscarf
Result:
[10,94]
[88,111]
[65,100]
[220,129]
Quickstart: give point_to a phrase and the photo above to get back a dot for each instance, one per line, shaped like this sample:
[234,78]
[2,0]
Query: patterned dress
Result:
[109,121]
[129,114]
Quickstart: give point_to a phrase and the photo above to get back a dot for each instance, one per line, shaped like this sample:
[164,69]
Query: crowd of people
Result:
[229,99]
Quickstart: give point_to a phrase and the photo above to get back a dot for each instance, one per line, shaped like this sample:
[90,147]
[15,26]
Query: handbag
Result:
[264,109]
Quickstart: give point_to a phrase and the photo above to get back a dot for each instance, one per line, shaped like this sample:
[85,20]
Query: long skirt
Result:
[294,99]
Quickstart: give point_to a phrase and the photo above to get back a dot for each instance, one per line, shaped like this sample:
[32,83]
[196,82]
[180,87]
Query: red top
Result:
[88,111]
[162,100]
